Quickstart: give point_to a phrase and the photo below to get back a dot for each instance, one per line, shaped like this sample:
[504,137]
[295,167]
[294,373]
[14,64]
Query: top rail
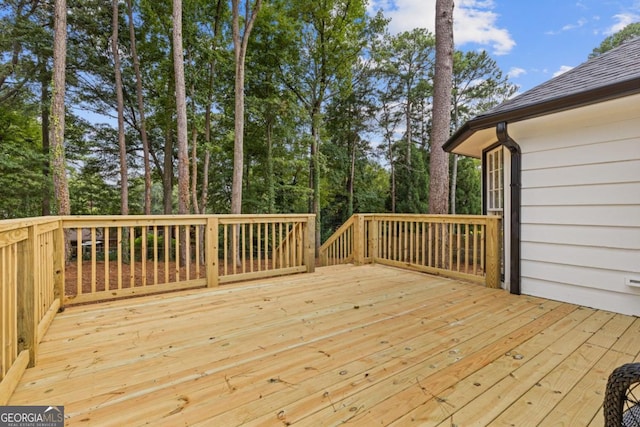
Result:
[460,246]
[49,262]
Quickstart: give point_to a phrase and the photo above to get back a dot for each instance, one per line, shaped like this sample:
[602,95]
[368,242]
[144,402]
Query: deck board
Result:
[367,345]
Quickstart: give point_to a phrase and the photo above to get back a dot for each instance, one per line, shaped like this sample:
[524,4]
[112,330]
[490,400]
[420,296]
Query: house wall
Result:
[581,205]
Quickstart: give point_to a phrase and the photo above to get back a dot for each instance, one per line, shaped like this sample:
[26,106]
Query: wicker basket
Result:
[621,408]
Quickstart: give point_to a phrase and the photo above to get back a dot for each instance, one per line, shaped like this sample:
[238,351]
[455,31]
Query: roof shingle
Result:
[613,74]
[617,65]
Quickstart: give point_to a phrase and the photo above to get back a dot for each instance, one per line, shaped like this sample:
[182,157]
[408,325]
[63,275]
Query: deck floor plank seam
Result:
[364,345]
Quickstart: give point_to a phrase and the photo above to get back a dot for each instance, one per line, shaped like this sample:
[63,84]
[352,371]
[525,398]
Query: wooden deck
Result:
[367,345]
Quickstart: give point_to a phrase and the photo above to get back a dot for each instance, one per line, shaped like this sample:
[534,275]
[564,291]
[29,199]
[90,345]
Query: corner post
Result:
[358,240]
[27,323]
[310,244]
[59,260]
[211,252]
[492,252]
[373,239]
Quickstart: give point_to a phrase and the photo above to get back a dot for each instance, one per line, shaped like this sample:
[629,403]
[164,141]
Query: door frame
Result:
[506,205]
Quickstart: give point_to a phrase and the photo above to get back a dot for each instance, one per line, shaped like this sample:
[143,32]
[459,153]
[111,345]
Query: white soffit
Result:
[591,115]
[473,146]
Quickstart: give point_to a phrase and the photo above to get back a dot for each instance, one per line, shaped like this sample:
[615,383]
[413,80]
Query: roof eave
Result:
[600,94]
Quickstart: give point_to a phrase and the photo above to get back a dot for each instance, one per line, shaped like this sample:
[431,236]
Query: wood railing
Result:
[460,246]
[47,263]
[30,292]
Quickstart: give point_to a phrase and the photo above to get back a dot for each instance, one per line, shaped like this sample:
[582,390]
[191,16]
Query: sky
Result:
[531,40]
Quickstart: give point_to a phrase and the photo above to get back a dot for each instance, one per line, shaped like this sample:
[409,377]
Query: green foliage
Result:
[412,182]
[314,69]
[627,33]
[150,246]
[478,85]
[469,188]
[21,163]
[90,194]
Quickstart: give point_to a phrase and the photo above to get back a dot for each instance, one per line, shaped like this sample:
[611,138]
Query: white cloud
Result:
[623,19]
[516,72]
[475,21]
[581,23]
[563,69]
[406,14]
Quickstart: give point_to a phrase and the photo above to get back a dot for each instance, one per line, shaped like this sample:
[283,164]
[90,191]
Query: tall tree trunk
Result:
[140,99]
[240,42]
[124,174]
[238,144]
[454,172]
[442,82]
[411,191]
[271,190]
[58,161]
[314,175]
[44,118]
[454,184]
[194,154]
[167,175]
[204,195]
[352,176]
[167,170]
[393,175]
[181,111]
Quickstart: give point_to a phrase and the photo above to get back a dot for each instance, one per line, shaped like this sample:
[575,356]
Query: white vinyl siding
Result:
[581,207]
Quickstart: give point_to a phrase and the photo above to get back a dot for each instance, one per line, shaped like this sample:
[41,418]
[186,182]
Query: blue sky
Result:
[530,40]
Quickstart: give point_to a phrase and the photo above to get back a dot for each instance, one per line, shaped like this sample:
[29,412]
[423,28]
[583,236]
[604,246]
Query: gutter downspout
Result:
[516,186]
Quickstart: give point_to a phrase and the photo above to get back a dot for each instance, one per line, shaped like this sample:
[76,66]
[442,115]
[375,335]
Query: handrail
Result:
[341,246]
[30,293]
[460,246]
[49,262]
[136,255]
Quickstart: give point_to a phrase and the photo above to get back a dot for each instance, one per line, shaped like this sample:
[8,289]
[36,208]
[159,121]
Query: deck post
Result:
[358,240]
[27,324]
[493,252]
[211,252]
[59,258]
[309,244]
[372,239]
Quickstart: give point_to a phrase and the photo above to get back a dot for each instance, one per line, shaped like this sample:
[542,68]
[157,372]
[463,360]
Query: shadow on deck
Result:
[368,345]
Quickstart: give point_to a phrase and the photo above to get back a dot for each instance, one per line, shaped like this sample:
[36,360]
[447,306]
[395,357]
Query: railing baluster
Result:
[187,235]
[106,250]
[251,261]
[119,258]
[144,254]
[167,252]
[93,260]
[79,256]
[155,254]
[132,257]
[177,254]
[259,246]
[458,240]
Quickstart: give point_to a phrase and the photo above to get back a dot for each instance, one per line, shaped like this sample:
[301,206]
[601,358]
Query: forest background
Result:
[337,120]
